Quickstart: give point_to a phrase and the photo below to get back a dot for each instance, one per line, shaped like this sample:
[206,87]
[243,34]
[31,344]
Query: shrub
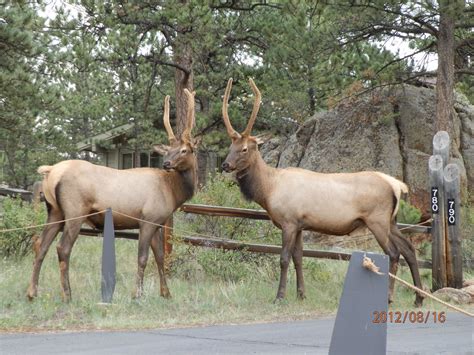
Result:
[17,214]
[408,214]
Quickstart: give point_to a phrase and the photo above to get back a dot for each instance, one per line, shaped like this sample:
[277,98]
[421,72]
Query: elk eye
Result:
[244,150]
[183,151]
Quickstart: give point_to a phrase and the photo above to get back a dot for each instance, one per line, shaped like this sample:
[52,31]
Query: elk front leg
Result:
[158,247]
[298,261]
[146,234]
[288,243]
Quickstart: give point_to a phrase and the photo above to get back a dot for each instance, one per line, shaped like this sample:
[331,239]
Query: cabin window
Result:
[127,161]
[144,160]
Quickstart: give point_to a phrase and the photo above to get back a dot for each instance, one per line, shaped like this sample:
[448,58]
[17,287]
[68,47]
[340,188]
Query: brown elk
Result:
[298,199]
[74,188]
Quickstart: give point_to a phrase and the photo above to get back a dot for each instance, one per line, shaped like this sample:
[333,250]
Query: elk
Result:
[297,199]
[74,188]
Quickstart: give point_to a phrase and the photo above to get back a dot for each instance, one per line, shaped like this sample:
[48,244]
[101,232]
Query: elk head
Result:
[179,154]
[244,147]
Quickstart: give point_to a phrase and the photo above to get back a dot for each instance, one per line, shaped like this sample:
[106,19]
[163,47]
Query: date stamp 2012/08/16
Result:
[408,317]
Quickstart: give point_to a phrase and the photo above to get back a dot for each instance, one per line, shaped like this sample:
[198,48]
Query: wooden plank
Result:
[453,204]
[438,247]
[209,210]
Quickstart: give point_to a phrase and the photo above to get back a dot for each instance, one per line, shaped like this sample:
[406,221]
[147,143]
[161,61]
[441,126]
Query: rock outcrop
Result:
[389,131]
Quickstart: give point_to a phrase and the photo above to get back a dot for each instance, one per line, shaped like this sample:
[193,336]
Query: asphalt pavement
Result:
[454,336]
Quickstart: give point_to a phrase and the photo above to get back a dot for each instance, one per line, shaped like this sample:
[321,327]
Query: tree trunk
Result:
[445,78]
[184,58]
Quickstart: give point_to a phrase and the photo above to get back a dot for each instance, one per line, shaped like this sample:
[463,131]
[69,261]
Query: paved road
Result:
[455,336]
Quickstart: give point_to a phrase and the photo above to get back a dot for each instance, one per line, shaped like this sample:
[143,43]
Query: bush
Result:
[408,214]
[221,191]
[17,214]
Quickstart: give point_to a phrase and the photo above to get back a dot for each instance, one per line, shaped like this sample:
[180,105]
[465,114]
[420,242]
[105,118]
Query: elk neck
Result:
[255,181]
[183,184]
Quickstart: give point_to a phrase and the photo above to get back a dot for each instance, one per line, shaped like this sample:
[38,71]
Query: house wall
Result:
[112,158]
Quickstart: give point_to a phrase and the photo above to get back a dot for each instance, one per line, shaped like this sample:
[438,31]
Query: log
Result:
[438,247]
[453,221]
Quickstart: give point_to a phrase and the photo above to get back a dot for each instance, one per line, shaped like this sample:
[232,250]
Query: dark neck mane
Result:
[184,184]
[254,181]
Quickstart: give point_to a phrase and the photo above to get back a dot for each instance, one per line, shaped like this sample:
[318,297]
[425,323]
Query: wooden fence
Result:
[251,247]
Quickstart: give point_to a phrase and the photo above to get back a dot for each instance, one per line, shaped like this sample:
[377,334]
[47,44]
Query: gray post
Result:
[441,143]
[438,246]
[361,321]
[452,200]
[108,258]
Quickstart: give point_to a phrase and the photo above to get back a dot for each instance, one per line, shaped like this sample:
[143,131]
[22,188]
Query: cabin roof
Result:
[89,143]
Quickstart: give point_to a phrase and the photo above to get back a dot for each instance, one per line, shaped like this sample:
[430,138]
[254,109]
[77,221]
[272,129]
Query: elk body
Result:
[74,188]
[298,199]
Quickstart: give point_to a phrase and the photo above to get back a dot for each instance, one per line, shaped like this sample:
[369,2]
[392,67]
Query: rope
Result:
[370,265]
[50,223]
[418,224]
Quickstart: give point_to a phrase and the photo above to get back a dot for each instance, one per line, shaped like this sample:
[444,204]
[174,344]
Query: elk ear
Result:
[262,138]
[161,148]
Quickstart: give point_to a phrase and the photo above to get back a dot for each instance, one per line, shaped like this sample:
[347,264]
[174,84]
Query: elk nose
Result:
[225,166]
[167,164]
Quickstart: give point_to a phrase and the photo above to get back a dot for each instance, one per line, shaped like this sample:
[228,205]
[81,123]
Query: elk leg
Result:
[408,251]
[289,236]
[157,245]
[64,248]
[146,234]
[390,248]
[41,247]
[298,261]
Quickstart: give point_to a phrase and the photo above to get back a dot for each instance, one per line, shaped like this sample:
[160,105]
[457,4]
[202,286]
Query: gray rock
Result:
[449,294]
[390,131]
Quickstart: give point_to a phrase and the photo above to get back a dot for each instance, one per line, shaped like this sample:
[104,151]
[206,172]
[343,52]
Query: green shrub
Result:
[221,191]
[17,214]
[408,214]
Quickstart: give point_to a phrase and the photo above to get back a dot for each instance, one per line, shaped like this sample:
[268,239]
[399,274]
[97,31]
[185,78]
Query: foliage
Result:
[221,191]
[408,214]
[16,214]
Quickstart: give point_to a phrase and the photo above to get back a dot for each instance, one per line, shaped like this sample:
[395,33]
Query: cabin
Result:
[112,149]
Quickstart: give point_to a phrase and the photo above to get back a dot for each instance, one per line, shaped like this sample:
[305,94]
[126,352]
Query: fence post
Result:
[452,200]
[438,247]
[108,258]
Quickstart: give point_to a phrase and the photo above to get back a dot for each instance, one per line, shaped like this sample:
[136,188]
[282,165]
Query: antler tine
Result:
[256,107]
[190,114]
[225,115]
[166,120]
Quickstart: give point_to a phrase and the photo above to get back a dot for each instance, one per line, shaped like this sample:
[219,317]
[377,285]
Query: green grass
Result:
[200,294]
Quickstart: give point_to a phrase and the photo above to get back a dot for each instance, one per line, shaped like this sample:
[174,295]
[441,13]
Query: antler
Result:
[225,115]
[166,120]
[190,115]
[256,107]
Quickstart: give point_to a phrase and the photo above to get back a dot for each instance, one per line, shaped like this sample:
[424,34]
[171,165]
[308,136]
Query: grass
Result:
[199,295]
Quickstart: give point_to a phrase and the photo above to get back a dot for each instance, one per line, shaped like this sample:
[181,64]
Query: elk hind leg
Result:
[41,247]
[64,248]
[158,247]
[390,248]
[408,251]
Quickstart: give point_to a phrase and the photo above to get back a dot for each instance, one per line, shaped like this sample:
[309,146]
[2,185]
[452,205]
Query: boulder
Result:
[467,283]
[449,294]
[470,290]
[389,131]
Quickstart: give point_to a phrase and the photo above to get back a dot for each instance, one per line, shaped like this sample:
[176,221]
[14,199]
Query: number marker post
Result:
[438,248]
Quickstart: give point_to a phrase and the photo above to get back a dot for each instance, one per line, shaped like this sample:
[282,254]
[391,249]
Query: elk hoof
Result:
[300,295]
[31,294]
[165,294]
[279,300]
[419,301]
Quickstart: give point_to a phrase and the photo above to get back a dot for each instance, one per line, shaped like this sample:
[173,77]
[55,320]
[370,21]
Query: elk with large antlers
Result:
[75,188]
[298,199]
